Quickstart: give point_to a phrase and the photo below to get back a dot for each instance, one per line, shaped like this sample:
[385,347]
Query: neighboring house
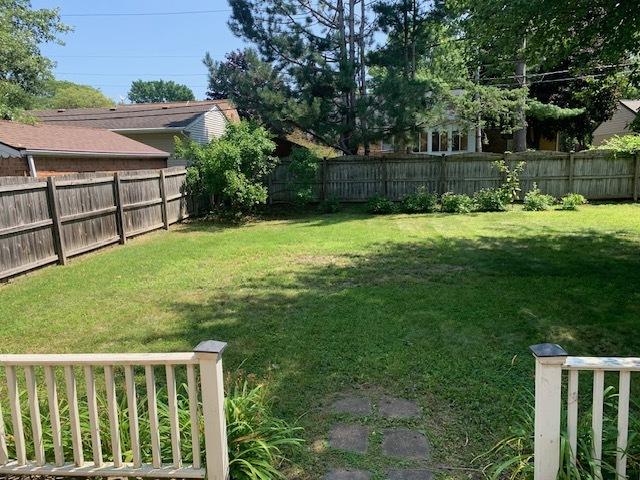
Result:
[42,150]
[619,122]
[441,139]
[155,124]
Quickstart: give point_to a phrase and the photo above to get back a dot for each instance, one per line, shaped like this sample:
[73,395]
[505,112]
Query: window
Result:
[386,144]
[444,141]
[435,141]
[459,141]
[424,137]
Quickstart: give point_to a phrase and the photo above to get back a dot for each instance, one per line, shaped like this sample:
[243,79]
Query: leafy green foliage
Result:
[231,170]
[23,69]
[159,91]
[381,205]
[64,94]
[453,203]
[572,201]
[303,167]
[548,111]
[420,202]
[511,179]
[535,200]
[330,205]
[257,440]
[512,457]
[621,144]
[490,200]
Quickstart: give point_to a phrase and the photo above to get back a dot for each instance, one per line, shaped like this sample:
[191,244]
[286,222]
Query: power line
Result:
[129,74]
[144,14]
[134,56]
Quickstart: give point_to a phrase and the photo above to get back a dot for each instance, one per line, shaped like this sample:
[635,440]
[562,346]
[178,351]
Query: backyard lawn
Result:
[437,308]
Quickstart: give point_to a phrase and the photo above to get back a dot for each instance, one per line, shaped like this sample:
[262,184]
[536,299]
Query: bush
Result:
[511,185]
[330,205]
[381,205]
[452,203]
[230,170]
[512,457]
[622,143]
[572,201]
[535,200]
[303,168]
[420,202]
[490,200]
[258,442]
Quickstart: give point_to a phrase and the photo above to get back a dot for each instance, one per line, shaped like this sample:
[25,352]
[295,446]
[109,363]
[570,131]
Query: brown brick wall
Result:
[46,166]
[14,167]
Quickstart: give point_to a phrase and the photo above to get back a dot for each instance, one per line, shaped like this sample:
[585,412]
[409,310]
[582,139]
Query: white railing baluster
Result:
[572,414]
[112,411]
[596,423]
[132,405]
[74,416]
[623,424]
[16,415]
[54,415]
[153,416]
[173,416]
[193,414]
[4,454]
[94,421]
[34,411]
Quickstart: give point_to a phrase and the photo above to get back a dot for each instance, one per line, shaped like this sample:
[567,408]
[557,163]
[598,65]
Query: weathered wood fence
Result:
[47,220]
[79,415]
[598,175]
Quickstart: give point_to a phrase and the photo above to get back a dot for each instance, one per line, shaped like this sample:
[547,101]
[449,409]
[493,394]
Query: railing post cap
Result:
[210,346]
[546,350]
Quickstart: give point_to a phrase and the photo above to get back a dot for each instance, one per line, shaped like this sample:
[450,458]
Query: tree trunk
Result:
[363,80]
[520,136]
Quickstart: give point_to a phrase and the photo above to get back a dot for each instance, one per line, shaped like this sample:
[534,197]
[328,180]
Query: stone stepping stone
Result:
[409,475]
[405,443]
[347,475]
[352,438]
[391,407]
[353,405]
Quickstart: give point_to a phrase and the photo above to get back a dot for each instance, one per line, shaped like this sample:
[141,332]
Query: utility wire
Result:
[144,14]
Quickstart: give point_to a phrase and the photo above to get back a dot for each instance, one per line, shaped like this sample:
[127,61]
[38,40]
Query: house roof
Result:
[633,105]
[61,139]
[138,116]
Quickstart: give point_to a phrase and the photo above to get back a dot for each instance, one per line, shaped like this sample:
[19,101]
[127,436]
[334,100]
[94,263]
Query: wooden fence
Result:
[598,175]
[43,221]
[80,415]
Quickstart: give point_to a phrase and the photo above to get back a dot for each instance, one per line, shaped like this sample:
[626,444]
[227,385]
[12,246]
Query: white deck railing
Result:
[206,358]
[551,361]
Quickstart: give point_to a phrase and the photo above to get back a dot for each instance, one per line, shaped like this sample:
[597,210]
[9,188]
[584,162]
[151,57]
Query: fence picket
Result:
[54,415]
[193,414]
[34,411]
[572,414]
[94,422]
[74,415]
[623,424]
[173,416]
[16,415]
[132,404]
[153,416]
[596,424]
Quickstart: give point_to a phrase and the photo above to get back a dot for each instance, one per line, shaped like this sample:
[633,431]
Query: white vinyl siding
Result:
[617,125]
[207,126]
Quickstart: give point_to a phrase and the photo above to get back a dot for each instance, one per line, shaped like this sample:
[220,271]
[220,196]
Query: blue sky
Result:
[109,52]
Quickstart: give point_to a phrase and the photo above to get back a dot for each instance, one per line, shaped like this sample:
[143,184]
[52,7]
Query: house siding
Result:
[162,141]
[46,166]
[14,167]
[208,126]
[617,125]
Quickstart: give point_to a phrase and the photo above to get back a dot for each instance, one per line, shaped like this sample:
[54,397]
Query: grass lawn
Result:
[439,308]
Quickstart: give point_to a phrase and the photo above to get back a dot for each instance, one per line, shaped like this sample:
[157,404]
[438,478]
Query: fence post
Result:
[443,174]
[209,354]
[163,196]
[323,179]
[636,177]
[548,404]
[571,171]
[117,191]
[56,230]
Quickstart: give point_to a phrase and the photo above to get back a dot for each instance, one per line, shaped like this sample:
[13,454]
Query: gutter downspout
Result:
[32,166]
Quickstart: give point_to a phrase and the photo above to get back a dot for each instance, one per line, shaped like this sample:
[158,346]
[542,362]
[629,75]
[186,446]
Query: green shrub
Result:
[535,200]
[303,168]
[490,200]
[230,171]
[452,203]
[330,205]
[258,442]
[511,183]
[512,457]
[572,201]
[381,205]
[622,143]
[420,202]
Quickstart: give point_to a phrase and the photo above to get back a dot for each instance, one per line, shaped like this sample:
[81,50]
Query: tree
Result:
[315,49]
[64,94]
[230,170]
[159,91]
[23,69]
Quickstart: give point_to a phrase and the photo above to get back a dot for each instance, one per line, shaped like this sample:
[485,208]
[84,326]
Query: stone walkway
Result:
[399,442]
